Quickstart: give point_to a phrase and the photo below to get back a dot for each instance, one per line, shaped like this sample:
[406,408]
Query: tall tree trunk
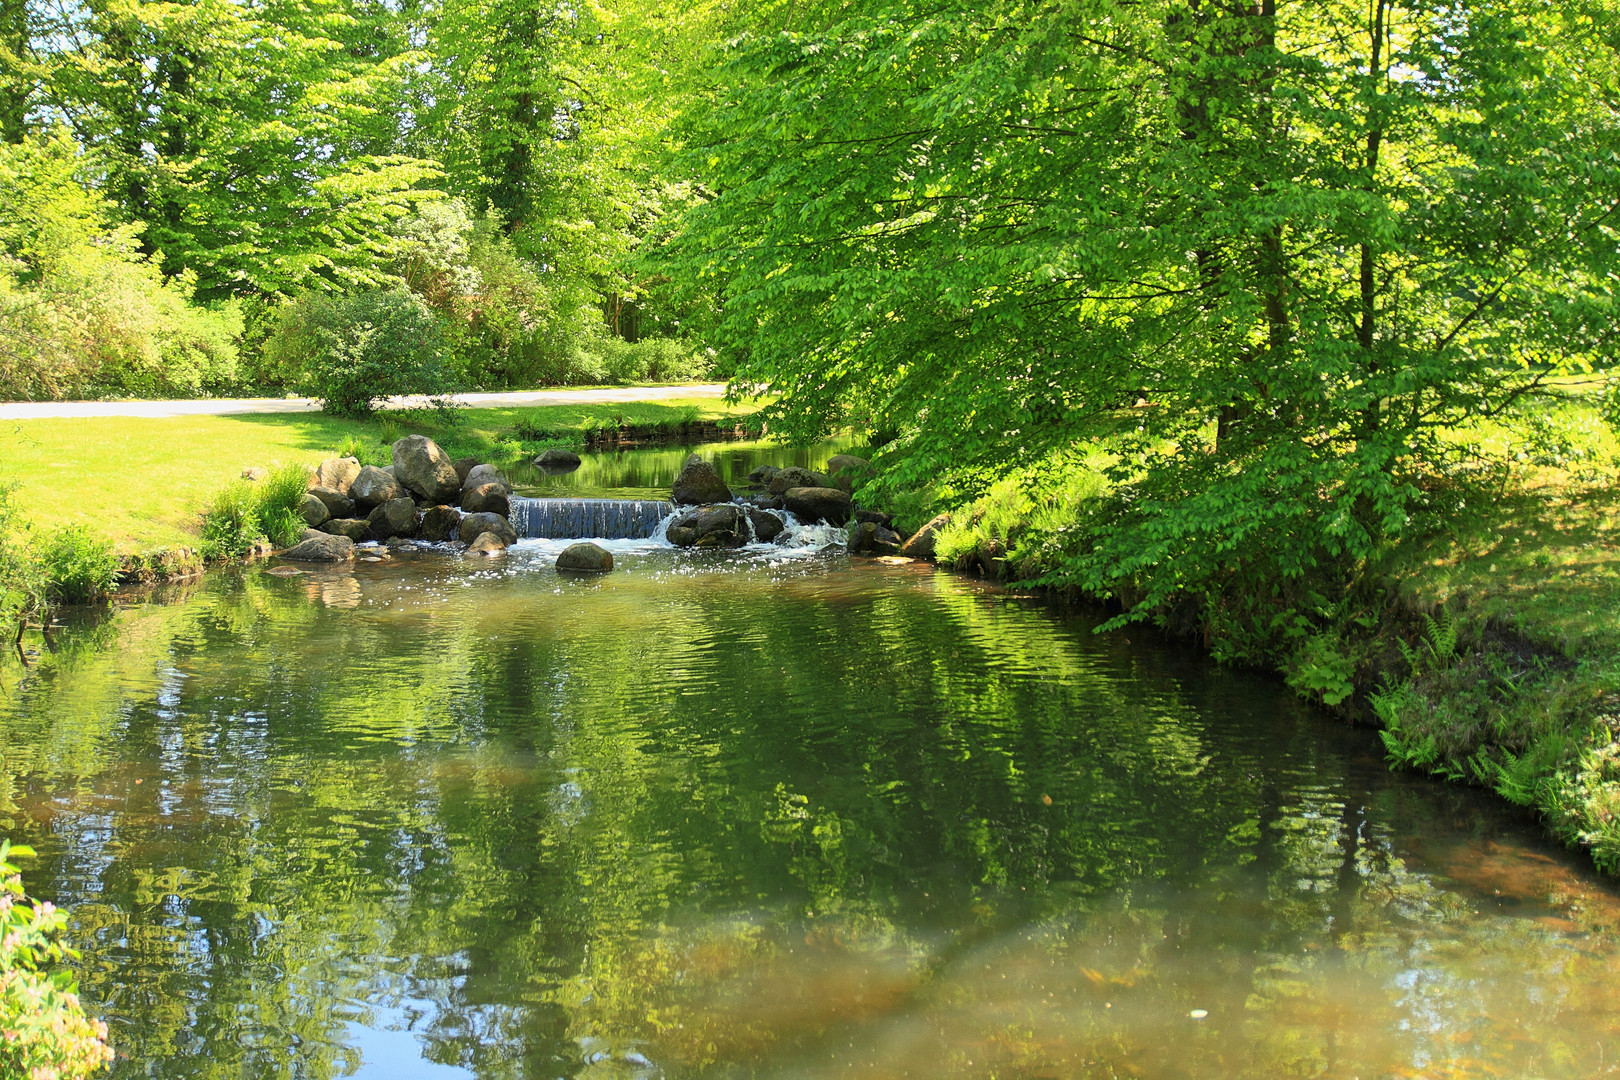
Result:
[15,81]
[1366,328]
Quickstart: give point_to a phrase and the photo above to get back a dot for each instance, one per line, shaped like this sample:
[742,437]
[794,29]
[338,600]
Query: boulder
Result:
[396,517]
[793,476]
[475,524]
[811,504]
[308,533]
[463,467]
[844,469]
[338,505]
[422,467]
[372,488]
[870,538]
[766,526]
[877,517]
[353,528]
[326,548]
[716,525]
[480,475]
[313,511]
[762,475]
[585,558]
[439,523]
[337,474]
[486,499]
[921,544]
[557,461]
[486,544]
[698,483]
[255,473]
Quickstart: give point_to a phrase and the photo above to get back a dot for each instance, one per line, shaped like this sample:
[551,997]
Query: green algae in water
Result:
[739,815]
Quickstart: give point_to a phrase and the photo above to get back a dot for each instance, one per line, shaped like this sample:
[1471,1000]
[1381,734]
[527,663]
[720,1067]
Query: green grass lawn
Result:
[143,482]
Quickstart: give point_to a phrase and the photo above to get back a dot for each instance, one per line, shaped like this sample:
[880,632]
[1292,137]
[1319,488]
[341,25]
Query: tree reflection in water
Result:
[721,818]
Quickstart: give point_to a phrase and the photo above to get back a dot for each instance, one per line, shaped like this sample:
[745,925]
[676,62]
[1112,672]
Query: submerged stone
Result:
[327,548]
[585,558]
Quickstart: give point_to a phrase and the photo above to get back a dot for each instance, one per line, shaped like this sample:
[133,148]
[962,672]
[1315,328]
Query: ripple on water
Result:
[760,814]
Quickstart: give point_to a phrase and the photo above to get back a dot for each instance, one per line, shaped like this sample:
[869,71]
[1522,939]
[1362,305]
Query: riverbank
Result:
[142,482]
[1487,649]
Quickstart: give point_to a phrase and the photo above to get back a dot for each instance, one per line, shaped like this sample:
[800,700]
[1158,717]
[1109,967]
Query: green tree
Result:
[1278,252]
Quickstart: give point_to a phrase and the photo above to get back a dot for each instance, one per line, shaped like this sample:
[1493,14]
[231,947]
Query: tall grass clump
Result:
[281,494]
[231,525]
[248,511]
[78,567]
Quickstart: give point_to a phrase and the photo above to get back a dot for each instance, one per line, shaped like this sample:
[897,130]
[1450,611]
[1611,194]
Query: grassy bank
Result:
[141,483]
[1486,645]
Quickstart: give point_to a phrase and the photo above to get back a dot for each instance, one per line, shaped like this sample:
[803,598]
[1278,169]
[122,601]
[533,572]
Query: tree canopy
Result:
[1277,254]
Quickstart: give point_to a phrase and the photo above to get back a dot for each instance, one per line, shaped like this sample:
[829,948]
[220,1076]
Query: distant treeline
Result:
[216,198]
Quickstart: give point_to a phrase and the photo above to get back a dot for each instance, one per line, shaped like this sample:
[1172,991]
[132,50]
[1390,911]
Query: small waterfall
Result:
[593,519]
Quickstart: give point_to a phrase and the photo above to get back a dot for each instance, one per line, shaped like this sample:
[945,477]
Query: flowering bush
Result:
[44,1034]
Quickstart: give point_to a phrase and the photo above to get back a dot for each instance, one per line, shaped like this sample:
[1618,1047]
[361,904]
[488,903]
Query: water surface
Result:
[759,815]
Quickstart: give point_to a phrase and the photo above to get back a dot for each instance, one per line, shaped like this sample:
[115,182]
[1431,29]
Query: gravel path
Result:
[28,410]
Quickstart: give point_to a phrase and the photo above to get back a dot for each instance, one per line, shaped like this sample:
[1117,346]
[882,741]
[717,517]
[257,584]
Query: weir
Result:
[597,519]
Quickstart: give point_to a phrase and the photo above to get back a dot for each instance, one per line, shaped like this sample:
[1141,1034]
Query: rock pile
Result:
[422,495]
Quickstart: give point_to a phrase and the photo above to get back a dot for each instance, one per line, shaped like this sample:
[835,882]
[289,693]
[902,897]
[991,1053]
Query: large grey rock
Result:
[585,558]
[372,488]
[486,499]
[474,524]
[876,516]
[762,475]
[718,525]
[557,461]
[463,467]
[844,469]
[486,544]
[353,528]
[325,548]
[338,505]
[337,474]
[921,544]
[767,527]
[313,511]
[698,483]
[811,504]
[479,475]
[396,517]
[870,538]
[439,523]
[794,476]
[422,467]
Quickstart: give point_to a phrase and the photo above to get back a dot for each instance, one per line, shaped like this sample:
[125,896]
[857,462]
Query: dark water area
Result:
[759,814]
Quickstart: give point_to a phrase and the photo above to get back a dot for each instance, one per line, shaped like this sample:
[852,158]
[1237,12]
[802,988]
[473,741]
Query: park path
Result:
[32,410]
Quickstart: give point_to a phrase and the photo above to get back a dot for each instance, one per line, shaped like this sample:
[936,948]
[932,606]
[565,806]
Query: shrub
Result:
[44,1033]
[232,526]
[281,495]
[352,352]
[599,358]
[82,311]
[78,567]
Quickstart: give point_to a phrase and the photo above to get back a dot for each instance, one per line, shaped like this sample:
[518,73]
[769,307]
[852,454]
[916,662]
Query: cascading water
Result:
[596,519]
